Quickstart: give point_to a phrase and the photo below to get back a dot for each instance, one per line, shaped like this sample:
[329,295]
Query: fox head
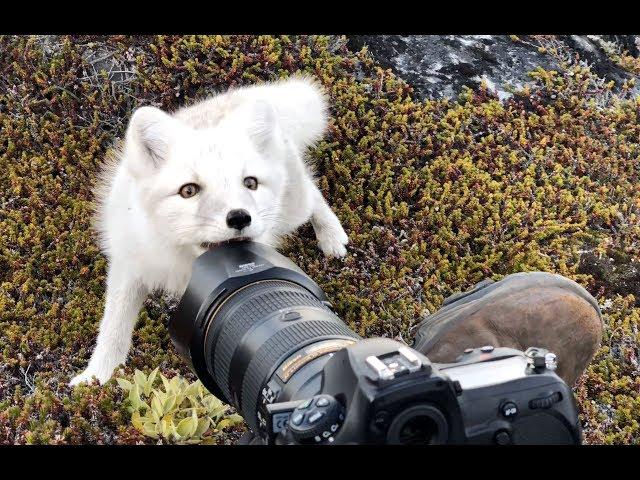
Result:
[200,187]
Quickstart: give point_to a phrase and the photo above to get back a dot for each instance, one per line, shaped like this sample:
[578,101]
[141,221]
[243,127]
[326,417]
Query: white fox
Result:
[228,167]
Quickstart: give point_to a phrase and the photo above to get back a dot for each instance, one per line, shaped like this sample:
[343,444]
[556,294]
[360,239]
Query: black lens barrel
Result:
[246,309]
[256,328]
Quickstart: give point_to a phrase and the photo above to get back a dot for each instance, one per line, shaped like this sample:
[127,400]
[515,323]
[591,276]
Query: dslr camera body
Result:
[261,335]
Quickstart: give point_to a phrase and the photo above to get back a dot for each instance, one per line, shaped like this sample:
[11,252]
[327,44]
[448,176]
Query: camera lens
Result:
[251,333]
[251,319]
[418,425]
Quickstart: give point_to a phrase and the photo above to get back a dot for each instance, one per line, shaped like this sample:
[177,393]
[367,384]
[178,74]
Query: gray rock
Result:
[439,66]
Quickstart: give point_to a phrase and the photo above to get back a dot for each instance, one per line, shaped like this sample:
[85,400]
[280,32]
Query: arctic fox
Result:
[228,167]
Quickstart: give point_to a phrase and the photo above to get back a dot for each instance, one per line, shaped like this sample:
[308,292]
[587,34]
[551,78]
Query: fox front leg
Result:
[125,296]
[332,238]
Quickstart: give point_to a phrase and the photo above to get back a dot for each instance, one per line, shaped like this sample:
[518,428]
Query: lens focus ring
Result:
[241,312]
[284,342]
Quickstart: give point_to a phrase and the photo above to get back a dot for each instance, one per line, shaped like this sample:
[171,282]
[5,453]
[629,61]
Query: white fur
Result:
[151,235]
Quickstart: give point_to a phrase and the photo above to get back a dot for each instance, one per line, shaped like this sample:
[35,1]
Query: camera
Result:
[261,335]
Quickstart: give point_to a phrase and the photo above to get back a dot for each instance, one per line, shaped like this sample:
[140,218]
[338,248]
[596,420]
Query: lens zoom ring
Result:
[281,343]
[241,312]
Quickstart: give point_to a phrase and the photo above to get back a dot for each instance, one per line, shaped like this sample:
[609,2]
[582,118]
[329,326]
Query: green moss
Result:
[434,195]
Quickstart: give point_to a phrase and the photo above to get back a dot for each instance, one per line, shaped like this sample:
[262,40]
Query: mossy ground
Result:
[435,196]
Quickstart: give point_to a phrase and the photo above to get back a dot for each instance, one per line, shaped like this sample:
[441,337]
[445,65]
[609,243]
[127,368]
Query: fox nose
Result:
[238,219]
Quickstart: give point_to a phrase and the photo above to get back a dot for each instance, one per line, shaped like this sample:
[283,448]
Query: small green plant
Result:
[177,411]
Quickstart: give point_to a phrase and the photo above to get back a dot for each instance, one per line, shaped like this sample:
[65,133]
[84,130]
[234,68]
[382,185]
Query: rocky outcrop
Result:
[440,65]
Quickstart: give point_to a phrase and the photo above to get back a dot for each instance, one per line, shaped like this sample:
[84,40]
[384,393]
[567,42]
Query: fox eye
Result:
[188,190]
[251,183]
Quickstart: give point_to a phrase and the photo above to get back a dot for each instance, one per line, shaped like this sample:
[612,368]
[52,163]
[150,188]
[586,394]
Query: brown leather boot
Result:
[531,309]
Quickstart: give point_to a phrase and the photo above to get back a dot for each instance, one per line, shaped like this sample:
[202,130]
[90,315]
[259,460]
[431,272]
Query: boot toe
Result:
[522,310]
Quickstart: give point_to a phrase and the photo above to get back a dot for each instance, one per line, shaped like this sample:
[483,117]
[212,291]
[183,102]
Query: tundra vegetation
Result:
[435,196]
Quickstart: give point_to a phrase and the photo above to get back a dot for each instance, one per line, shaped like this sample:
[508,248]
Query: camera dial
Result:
[316,420]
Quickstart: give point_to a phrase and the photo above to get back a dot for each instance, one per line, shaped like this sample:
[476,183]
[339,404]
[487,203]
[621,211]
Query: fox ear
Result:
[149,133]
[263,124]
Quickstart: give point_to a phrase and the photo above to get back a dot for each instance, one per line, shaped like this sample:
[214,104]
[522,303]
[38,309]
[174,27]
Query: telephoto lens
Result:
[252,324]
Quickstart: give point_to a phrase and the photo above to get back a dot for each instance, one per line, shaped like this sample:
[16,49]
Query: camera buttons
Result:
[502,437]
[487,349]
[297,418]
[509,409]
[305,404]
[314,417]
[319,423]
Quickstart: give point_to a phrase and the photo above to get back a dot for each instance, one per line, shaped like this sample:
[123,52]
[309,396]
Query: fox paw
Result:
[87,377]
[333,241]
